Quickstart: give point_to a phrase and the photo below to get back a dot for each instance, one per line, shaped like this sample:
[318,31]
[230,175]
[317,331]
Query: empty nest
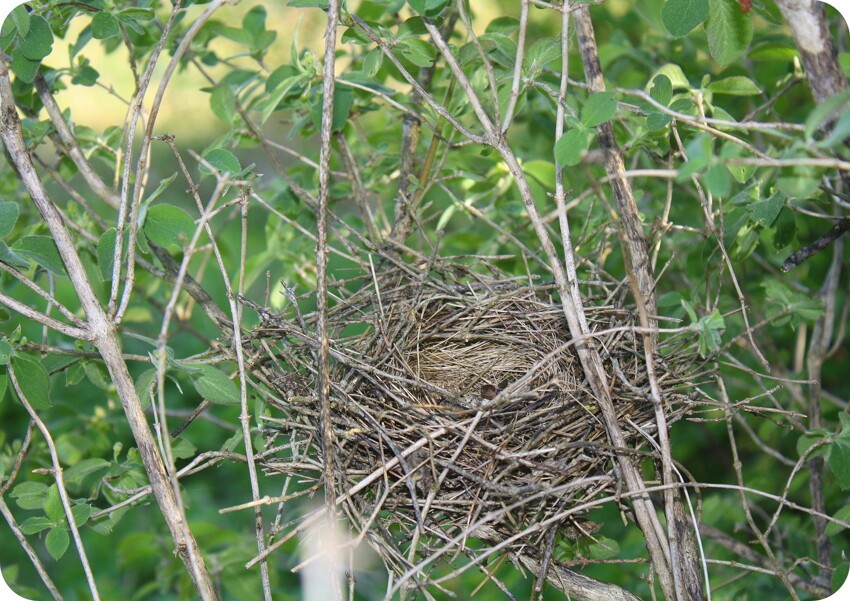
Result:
[462,420]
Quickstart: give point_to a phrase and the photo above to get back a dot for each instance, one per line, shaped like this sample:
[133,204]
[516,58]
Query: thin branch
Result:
[823,242]
[518,60]
[45,320]
[56,471]
[25,545]
[105,339]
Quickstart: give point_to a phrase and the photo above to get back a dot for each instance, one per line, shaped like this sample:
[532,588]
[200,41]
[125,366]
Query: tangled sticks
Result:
[460,411]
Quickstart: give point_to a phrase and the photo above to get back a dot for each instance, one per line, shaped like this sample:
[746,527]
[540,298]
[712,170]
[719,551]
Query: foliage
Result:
[733,166]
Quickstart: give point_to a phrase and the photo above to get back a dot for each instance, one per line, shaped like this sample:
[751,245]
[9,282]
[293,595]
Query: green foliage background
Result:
[694,59]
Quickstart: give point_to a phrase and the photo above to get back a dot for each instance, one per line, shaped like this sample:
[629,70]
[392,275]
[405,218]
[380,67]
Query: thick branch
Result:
[807,22]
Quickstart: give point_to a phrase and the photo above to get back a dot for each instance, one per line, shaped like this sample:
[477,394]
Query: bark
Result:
[807,22]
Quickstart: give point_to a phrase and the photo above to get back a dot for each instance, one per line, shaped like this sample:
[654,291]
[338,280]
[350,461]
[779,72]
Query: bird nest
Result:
[462,420]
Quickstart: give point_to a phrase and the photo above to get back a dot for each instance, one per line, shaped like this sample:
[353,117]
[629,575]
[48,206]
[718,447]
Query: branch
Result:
[56,471]
[323,374]
[807,22]
[25,545]
[45,320]
[105,339]
[566,280]
[807,252]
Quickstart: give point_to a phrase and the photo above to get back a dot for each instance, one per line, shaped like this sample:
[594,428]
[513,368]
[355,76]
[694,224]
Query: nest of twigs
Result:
[462,419]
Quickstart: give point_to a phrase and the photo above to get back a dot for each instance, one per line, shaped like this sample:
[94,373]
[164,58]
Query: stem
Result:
[106,341]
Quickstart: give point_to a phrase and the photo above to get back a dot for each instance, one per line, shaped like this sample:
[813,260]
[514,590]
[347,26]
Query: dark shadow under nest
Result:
[461,413]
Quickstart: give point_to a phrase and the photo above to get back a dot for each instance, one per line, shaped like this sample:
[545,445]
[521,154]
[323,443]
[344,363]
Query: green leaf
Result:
[708,329]
[10,258]
[736,85]
[764,212]
[39,39]
[343,99]
[42,250]
[542,52]
[729,30]
[824,111]
[223,103]
[6,351]
[96,374]
[803,307]
[657,120]
[427,8]
[418,52]
[53,504]
[599,108]
[281,91]
[24,68]
[844,419]
[839,131]
[542,171]
[104,25]
[74,374]
[8,217]
[85,76]
[213,385]
[718,180]
[839,462]
[221,160]
[842,514]
[106,253]
[182,448]
[32,379]
[674,73]
[662,89]
[75,474]
[81,513]
[134,13]
[603,548]
[35,524]
[784,229]
[163,184]
[840,576]
[255,20]
[167,226]
[144,384]
[29,495]
[372,61]
[571,147]
[323,4]
[21,18]
[799,181]
[503,25]
[681,16]
[57,541]
[231,443]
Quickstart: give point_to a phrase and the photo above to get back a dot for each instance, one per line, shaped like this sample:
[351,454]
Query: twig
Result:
[35,315]
[56,471]
[72,147]
[144,153]
[25,545]
[105,339]
[807,252]
[518,64]
[577,321]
